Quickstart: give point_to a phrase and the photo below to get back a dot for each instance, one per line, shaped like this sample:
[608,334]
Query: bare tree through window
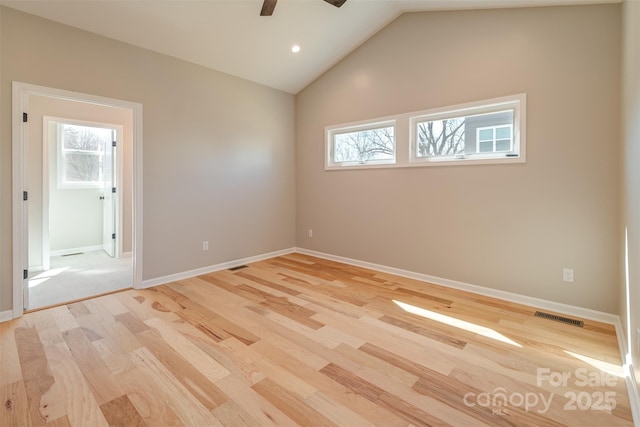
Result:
[441,137]
[364,145]
[83,148]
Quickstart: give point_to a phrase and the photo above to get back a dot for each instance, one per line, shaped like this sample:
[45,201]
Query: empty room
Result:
[320,212]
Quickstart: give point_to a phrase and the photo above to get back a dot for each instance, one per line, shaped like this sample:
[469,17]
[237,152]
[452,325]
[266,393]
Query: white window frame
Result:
[495,140]
[517,103]
[332,131]
[405,135]
[62,181]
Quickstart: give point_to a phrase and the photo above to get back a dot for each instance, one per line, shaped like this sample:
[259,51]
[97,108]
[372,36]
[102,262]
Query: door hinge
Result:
[113,189]
[114,143]
[25,274]
[25,117]
[113,236]
[25,195]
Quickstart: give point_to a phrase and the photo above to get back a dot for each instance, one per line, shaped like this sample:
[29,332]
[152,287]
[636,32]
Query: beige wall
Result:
[509,227]
[218,150]
[631,173]
[84,229]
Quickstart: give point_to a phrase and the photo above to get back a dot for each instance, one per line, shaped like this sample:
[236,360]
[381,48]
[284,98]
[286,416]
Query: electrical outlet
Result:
[205,245]
[310,233]
[567,275]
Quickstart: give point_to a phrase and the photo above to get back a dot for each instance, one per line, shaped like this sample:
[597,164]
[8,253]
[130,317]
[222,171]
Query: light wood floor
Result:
[296,340]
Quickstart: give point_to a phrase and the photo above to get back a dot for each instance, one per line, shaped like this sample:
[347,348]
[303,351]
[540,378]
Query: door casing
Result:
[20,105]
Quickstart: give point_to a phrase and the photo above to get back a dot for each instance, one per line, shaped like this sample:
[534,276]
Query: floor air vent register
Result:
[566,320]
[240,267]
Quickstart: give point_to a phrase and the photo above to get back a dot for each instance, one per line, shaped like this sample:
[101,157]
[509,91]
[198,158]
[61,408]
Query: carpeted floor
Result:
[79,276]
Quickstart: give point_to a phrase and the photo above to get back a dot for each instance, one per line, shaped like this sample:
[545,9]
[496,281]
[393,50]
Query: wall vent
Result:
[77,253]
[566,320]
[239,267]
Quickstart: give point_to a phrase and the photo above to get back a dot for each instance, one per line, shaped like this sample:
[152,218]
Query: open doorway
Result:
[83,191]
[77,162]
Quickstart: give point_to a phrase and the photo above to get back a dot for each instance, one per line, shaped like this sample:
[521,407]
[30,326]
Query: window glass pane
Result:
[503,145]
[486,134]
[81,151]
[440,137]
[76,137]
[503,133]
[82,167]
[364,145]
[485,146]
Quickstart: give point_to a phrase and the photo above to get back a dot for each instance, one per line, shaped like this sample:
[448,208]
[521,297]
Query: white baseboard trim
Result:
[629,374]
[585,313]
[6,315]
[70,251]
[212,268]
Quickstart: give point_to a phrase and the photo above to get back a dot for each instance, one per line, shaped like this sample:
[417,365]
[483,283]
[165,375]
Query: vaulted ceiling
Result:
[232,37]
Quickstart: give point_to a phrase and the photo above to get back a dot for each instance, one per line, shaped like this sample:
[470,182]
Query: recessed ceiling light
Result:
[295,48]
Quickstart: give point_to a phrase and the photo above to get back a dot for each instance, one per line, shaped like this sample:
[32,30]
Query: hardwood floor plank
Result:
[120,412]
[88,360]
[224,328]
[390,370]
[74,391]
[268,368]
[63,318]
[93,328]
[239,365]
[420,352]
[190,411]
[193,380]
[232,414]
[132,323]
[59,422]
[333,389]
[78,309]
[15,407]
[426,332]
[294,407]
[335,412]
[35,369]
[269,283]
[150,403]
[265,413]
[381,397]
[296,353]
[282,305]
[207,366]
[10,370]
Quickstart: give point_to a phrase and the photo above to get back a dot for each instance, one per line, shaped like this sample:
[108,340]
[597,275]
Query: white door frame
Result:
[20,105]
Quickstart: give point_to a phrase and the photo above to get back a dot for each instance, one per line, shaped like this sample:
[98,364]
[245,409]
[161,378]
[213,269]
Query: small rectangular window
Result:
[80,155]
[361,145]
[494,139]
[480,132]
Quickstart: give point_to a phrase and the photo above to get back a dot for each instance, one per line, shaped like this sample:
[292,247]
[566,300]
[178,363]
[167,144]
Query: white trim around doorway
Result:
[20,96]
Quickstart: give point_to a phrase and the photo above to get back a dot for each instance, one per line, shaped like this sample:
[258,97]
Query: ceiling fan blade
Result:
[336,3]
[267,7]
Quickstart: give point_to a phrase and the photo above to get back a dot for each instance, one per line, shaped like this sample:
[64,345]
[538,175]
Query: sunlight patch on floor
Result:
[609,368]
[457,323]
[45,275]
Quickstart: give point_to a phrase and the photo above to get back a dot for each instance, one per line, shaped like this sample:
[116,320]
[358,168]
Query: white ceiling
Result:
[230,36]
